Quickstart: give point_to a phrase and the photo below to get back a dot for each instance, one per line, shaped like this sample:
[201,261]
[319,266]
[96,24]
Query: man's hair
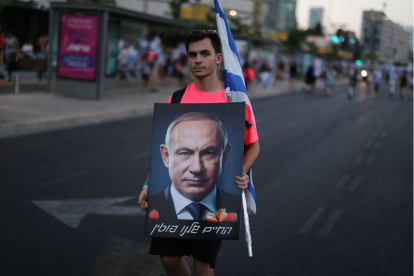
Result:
[196,116]
[200,35]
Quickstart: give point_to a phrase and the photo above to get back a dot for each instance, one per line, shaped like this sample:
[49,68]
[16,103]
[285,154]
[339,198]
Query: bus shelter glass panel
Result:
[145,57]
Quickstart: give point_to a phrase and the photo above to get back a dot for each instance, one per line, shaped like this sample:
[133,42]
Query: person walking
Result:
[353,81]
[11,53]
[1,48]
[410,82]
[293,75]
[204,55]
[310,79]
[377,81]
[392,79]
[403,83]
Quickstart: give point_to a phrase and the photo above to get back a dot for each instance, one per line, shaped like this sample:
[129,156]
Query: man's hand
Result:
[142,199]
[242,181]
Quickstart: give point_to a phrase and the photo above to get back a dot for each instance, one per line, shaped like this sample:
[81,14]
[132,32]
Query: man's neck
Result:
[209,84]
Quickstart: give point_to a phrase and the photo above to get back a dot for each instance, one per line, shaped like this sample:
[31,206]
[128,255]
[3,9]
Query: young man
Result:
[204,55]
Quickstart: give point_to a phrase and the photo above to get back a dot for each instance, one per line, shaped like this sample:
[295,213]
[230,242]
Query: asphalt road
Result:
[334,185]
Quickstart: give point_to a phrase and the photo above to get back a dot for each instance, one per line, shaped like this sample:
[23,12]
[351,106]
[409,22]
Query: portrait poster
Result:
[78,43]
[196,153]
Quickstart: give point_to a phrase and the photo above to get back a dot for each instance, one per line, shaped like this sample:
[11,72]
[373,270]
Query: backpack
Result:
[178,95]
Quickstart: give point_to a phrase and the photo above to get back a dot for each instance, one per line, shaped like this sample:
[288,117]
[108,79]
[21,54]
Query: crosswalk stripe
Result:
[327,227]
[355,183]
[342,181]
[307,227]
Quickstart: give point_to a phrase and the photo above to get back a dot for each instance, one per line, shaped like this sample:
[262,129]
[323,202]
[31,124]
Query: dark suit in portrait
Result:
[164,204]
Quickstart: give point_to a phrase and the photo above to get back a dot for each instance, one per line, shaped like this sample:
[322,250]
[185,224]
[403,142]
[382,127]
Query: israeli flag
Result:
[234,82]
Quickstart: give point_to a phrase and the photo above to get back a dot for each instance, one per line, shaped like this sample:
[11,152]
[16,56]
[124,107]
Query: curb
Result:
[9,130]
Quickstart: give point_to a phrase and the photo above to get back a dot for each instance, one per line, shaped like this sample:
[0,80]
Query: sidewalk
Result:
[35,112]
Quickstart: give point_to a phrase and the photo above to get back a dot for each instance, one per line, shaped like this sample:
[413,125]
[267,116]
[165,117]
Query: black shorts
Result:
[202,250]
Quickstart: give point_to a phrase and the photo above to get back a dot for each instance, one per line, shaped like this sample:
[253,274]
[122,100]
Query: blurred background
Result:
[331,84]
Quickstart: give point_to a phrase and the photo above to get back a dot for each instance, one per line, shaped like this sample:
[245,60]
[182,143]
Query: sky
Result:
[349,12]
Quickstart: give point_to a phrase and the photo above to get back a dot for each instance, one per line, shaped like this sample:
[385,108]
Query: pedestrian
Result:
[410,82]
[330,82]
[27,49]
[293,74]
[42,43]
[377,80]
[392,78]
[310,79]
[248,73]
[204,55]
[1,48]
[403,83]
[11,53]
[370,80]
[353,80]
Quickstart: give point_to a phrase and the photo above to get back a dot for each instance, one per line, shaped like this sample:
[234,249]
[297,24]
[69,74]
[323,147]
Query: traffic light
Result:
[358,62]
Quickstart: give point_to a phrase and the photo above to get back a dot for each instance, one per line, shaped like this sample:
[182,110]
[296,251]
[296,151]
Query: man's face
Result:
[202,58]
[195,157]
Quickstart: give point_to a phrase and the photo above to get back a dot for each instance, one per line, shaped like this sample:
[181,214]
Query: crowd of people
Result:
[395,77]
[153,61]
[13,57]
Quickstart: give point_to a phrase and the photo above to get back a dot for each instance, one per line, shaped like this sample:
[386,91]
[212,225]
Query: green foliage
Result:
[296,39]
[371,56]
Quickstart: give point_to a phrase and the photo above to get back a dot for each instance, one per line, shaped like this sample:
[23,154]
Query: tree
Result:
[372,56]
[296,39]
[318,29]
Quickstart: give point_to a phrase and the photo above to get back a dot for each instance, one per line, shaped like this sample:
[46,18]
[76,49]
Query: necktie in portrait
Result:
[196,210]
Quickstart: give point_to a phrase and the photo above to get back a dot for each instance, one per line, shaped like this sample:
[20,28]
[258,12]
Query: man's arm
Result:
[251,154]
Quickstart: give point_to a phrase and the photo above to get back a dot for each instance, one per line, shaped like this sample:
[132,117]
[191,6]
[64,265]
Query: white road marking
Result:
[378,145]
[368,144]
[72,211]
[307,227]
[342,181]
[327,227]
[63,178]
[355,183]
[370,159]
[359,159]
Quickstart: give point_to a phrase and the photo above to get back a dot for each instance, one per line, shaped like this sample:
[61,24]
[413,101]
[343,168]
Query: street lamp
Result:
[233,13]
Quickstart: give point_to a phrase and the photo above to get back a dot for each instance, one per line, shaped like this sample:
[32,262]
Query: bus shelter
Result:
[96,49]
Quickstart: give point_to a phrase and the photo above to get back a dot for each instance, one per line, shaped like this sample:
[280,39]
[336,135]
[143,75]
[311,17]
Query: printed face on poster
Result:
[197,150]
[78,40]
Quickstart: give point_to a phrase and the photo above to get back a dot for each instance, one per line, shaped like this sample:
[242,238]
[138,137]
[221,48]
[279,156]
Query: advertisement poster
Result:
[77,53]
[196,153]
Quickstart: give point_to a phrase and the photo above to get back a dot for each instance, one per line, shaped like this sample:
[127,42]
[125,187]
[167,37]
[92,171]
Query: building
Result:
[162,7]
[277,15]
[315,17]
[388,40]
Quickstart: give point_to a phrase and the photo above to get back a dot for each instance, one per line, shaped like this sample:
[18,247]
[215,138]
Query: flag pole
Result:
[247,225]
